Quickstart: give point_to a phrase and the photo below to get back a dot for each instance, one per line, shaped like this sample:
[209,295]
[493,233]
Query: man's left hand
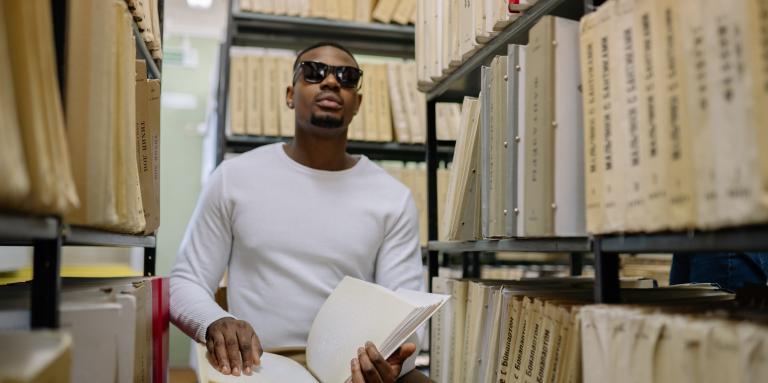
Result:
[371,367]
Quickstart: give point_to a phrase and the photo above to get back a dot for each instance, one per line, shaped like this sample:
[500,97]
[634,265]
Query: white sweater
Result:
[289,234]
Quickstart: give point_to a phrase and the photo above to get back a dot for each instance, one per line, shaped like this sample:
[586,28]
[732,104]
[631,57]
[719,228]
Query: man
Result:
[290,221]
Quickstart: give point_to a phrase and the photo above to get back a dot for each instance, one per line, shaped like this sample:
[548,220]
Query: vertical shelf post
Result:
[606,275]
[149,261]
[46,283]
[431,187]
[577,264]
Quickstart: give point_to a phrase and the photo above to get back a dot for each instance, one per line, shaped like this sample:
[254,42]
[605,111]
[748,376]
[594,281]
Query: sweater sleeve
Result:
[201,261]
[399,265]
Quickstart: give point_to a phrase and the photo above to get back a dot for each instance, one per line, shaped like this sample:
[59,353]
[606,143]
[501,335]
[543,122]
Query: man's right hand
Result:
[233,346]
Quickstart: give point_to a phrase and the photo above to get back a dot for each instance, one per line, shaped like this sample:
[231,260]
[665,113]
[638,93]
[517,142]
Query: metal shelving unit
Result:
[290,32]
[465,81]
[47,234]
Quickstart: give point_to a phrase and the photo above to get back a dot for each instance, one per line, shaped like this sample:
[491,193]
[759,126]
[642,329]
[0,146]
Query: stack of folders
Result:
[672,344]
[531,330]
[674,100]
[528,155]
[362,11]
[392,108]
[147,17]
[450,31]
[118,328]
[414,177]
[113,117]
[34,160]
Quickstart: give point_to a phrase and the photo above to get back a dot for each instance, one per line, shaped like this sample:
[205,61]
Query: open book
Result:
[355,312]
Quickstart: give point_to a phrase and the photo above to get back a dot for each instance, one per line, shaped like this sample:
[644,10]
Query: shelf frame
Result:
[465,79]
[388,151]
[47,235]
[83,236]
[750,238]
[24,230]
[255,29]
[537,245]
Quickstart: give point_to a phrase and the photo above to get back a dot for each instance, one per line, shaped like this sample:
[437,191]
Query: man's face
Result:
[324,108]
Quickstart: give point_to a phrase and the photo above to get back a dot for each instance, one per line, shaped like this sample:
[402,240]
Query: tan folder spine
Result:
[592,125]
[539,177]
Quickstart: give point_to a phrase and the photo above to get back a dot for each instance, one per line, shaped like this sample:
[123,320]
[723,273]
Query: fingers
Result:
[370,373]
[402,353]
[234,346]
[381,365]
[233,352]
[220,352]
[357,373]
[258,350]
[244,340]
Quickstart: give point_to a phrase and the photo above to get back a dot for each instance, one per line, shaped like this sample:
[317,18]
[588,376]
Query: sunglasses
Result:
[315,72]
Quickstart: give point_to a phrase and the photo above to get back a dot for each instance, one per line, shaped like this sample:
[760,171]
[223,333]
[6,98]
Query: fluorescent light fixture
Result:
[201,4]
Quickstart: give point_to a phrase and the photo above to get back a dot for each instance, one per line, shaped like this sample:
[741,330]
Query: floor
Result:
[182,375]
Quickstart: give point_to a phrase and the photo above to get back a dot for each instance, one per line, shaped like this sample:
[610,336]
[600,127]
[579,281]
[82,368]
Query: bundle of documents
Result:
[102,117]
[362,11]
[392,108]
[13,166]
[119,327]
[335,335]
[530,151]
[673,98]
[531,330]
[35,356]
[41,182]
[449,31]
[671,345]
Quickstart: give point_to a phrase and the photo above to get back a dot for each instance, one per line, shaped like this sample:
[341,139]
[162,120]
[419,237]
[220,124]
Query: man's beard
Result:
[326,122]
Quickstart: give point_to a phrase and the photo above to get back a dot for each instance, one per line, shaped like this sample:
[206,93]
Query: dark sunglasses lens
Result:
[314,72]
[348,76]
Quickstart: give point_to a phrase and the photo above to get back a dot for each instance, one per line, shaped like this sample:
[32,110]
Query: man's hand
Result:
[233,346]
[370,366]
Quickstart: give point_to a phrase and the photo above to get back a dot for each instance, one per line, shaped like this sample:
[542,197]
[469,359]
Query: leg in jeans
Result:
[729,270]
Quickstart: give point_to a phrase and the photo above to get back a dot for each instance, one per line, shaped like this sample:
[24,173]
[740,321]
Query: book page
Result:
[355,312]
[274,369]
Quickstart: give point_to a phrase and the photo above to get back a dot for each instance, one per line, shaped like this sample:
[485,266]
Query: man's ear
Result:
[289,96]
[359,102]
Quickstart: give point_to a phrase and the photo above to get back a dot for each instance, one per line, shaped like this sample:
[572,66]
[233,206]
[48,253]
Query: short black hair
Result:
[322,44]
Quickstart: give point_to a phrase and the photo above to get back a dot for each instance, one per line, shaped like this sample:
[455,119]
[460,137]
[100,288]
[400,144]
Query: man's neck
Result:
[320,153]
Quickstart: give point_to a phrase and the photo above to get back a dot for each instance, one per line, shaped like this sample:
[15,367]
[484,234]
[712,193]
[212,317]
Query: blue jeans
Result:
[729,270]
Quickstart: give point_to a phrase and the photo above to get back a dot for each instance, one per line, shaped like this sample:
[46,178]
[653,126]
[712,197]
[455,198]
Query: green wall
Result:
[181,157]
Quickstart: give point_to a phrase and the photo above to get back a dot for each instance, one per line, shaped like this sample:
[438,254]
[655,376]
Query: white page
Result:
[355,312]
[273,369]
[359,311]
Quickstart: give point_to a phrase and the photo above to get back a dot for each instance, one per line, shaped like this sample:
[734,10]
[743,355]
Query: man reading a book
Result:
[289,221]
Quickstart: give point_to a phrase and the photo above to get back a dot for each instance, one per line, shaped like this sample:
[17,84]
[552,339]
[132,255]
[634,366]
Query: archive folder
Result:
[553,176]
[515,99]
[13,166]
[462,219]
[29,34]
